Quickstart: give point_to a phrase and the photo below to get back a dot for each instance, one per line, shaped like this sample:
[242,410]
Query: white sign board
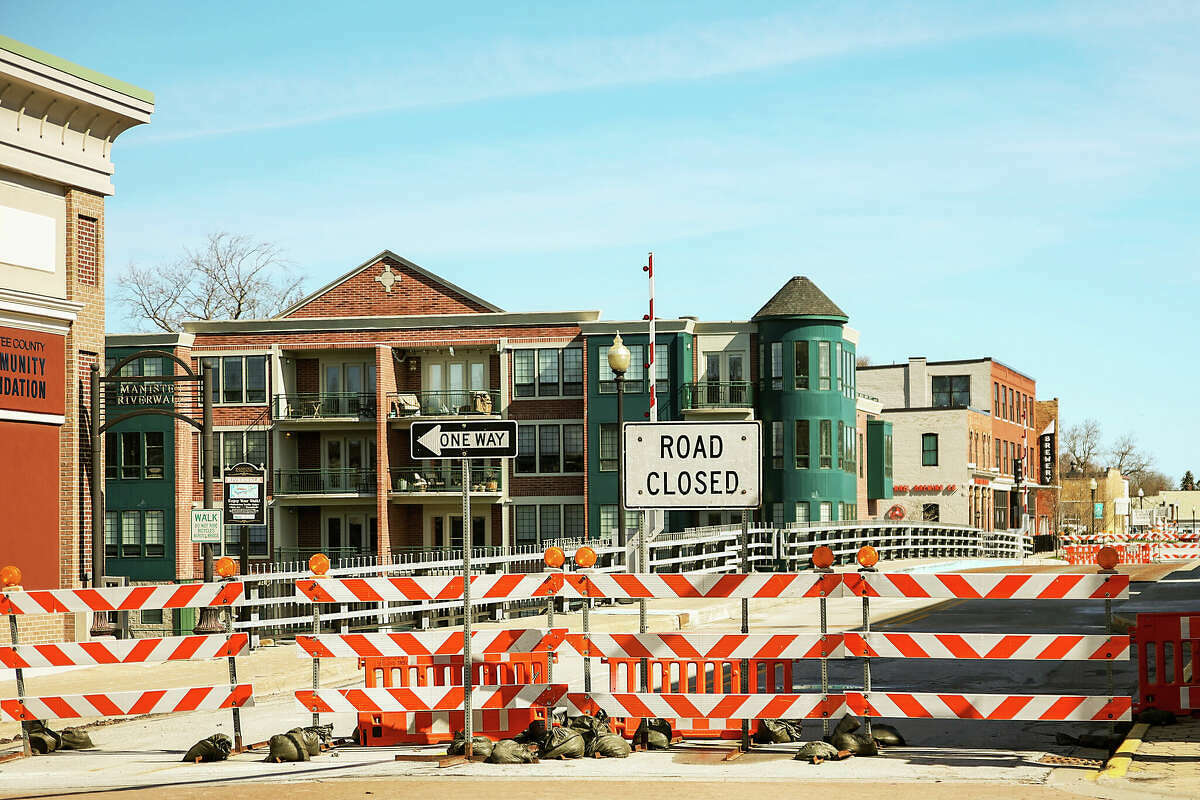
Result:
[692,465]
[206,525]
[1143,516]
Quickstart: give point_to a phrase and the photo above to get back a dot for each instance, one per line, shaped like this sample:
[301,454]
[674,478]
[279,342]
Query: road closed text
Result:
[692,465]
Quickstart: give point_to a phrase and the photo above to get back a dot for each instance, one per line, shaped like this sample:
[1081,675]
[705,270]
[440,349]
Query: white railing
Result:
[274,609]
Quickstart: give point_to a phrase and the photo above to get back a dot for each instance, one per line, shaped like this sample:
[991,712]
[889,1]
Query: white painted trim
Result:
[32,416]
[549,500]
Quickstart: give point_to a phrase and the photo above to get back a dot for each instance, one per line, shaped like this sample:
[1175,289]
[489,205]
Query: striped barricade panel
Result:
[707,645]
[431,588]
[1050,647]
[988,586]
[122,598]
[127,651]
[630,586]
[709,706]
[431,643]
[429,698]
[1028,707]
[124,704]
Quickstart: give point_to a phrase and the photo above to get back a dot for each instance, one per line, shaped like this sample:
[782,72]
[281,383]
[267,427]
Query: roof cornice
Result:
[309,324]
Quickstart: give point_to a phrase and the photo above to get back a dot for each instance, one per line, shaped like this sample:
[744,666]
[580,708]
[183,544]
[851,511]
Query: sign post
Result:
[486,438]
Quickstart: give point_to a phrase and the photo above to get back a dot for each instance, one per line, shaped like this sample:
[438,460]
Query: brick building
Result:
[962,430]
[58,121]
[324,395]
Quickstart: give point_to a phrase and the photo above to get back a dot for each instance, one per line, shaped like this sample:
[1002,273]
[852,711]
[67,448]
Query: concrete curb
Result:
[1123,757]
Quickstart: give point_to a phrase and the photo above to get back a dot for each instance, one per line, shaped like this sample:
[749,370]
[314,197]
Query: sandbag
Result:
[562,742]
[816,752]
[857,743]
[777,731]
[481,746]
[656,733]
[886,735]
[311,740]
[288,747]
[510,751]
[608,745]
[215,748]
[847,724]
[42,740]
[75,739]
[590,726]
[535,734]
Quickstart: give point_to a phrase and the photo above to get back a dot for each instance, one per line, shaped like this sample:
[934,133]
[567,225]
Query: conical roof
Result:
[800,297]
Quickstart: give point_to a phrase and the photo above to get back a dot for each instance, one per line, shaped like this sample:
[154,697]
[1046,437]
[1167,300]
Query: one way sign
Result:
[492,438]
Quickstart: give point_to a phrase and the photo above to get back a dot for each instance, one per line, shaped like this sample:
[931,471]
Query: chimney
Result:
[917,390]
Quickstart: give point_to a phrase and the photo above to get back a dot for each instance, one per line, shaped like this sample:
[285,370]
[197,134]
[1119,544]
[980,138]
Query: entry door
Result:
[737,377]
[712,376]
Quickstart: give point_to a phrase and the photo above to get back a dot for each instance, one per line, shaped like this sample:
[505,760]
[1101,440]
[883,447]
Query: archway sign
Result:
[148,395]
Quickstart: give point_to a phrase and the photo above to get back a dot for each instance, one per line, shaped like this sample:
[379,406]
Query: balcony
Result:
[413,484]
[324,481]
[325,405]
[716,395]
[405,406]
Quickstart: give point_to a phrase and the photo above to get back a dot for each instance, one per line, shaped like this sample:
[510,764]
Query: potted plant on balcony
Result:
[491,481]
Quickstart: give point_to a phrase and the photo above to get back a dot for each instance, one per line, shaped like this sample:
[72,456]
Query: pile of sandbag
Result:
[510,751]
[481,746]
[846,741]
[655,733]
[778,731]
[598,738]
[298,744]
[215,748]
[42,740]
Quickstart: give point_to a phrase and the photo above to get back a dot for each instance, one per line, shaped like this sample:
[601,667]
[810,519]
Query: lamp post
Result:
[618,362]
[1092,486]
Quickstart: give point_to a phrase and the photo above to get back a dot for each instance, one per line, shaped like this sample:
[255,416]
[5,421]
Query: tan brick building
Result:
[58,122]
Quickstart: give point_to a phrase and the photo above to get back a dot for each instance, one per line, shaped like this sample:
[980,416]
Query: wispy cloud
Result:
[318,90]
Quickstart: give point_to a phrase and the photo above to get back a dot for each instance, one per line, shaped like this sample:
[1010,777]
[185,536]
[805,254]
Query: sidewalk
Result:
[1168,760]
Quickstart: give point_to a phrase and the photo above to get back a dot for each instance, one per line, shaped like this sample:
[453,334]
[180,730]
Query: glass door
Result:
[737,378]
[355,532]
[458,395]
[335,473]
[354,389]
[712,378]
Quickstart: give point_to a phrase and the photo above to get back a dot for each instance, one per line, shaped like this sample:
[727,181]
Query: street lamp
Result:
[1092,486]
[618,362]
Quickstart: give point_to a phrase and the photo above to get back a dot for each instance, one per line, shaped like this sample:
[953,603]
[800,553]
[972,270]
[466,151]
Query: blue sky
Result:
[1016,180]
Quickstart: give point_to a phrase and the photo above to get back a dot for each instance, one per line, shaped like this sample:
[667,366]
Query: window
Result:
[826,451]
[841,370]
[258,540]
[525,523]
[776,365]
[841,510]
[608,523]
[238,379]
[887,456]
[110,534]
[995,399]
[231,379]
[826,511]
[634,378]
[523,373]
[574,521]
[526,449]
[802,444]
[131,455]
[548,380]
[929,450]
[151,617]
[549,522]
[801,512]
[801,359]
[549,455]
[776,445]
[1012,409]
[841,445]
[608,446]
[235,447]
[931,512]
[153,532]
[572,437]
[131,544]
[777,513]
[154,454]
[861,459]
[662,368]
[848,444]
[822,365]
[951,391]
[572,371]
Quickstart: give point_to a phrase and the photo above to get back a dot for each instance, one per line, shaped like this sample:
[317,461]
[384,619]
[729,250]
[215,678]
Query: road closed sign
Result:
[692,465]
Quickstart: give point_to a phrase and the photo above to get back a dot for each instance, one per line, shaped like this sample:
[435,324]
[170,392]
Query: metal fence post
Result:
[237,712]
[824,653]
[866,608]
[468,611]
[316,630]
[12,627]
[745,568]
[643,564]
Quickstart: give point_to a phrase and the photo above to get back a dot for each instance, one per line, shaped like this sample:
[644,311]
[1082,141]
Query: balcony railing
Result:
[324,481]
[320,405]
[717,394]
[408,480]
[432,404]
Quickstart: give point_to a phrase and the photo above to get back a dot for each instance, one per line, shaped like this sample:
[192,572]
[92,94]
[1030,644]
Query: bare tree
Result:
[1129,459]
[1079,446]
[862,361]
[1151,482]
[230,277]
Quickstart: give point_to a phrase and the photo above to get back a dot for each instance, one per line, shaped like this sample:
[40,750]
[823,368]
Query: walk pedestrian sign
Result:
[692,465]
[206,525]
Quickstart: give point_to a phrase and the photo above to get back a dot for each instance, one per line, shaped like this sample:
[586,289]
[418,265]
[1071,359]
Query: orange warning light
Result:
[10,576]
[585,557]
[319,563]
[822,557]
[226,567]
[1107,558]
[867,556]
[554,557]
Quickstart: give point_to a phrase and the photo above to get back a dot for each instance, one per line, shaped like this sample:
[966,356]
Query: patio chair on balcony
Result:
[405,405]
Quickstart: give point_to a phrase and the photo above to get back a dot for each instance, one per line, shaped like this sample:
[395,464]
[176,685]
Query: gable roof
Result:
[800,297]
[388,255]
